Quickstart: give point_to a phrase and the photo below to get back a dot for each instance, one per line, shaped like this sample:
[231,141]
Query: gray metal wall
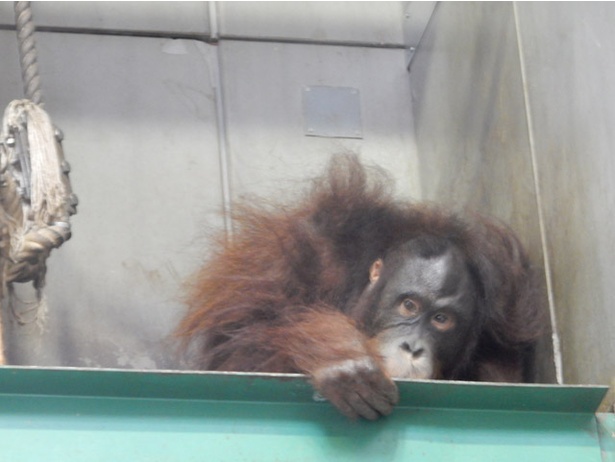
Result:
[471,126]
[141,138]
[514,116]
[147,117]
[569,59]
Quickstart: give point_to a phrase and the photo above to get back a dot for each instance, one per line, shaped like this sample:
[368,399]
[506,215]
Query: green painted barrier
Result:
[69,415]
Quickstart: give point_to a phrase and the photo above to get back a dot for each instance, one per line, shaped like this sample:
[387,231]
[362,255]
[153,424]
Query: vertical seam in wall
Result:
[223,156]
[223,150]
[212,10]
[212,61]
[557,353]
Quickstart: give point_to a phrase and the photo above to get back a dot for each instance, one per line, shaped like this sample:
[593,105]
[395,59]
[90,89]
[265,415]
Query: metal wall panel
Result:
[475,70]
[470,123]
[140,126]
[263,85]
[377,23]
[569,58]
[181,18]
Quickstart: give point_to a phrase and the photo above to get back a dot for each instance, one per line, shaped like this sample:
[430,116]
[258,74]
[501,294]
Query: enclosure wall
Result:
[514,116]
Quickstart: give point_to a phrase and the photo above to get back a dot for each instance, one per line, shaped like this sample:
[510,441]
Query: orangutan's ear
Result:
[374,271]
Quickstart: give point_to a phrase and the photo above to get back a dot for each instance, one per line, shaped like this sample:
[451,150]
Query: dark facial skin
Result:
[423,305]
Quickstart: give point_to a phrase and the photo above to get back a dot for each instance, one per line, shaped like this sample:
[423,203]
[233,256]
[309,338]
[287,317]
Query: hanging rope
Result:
[27,52]
[36,198]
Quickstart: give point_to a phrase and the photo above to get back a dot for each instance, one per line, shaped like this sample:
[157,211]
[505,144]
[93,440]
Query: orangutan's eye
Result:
[442,321]
[409,308]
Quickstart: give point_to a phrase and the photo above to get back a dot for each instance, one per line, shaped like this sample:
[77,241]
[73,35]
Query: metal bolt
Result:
[65,167]
[59,134]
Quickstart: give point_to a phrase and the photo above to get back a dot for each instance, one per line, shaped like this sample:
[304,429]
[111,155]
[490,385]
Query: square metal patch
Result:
[332,112]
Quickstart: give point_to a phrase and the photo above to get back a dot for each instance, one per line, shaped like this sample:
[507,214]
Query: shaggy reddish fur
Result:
[279,297]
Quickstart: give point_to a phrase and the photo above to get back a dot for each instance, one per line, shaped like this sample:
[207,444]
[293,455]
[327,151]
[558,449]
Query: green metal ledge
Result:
[69,415]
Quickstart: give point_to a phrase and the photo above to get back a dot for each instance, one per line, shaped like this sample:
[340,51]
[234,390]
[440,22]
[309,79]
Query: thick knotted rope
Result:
[35,193]
[36,199]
